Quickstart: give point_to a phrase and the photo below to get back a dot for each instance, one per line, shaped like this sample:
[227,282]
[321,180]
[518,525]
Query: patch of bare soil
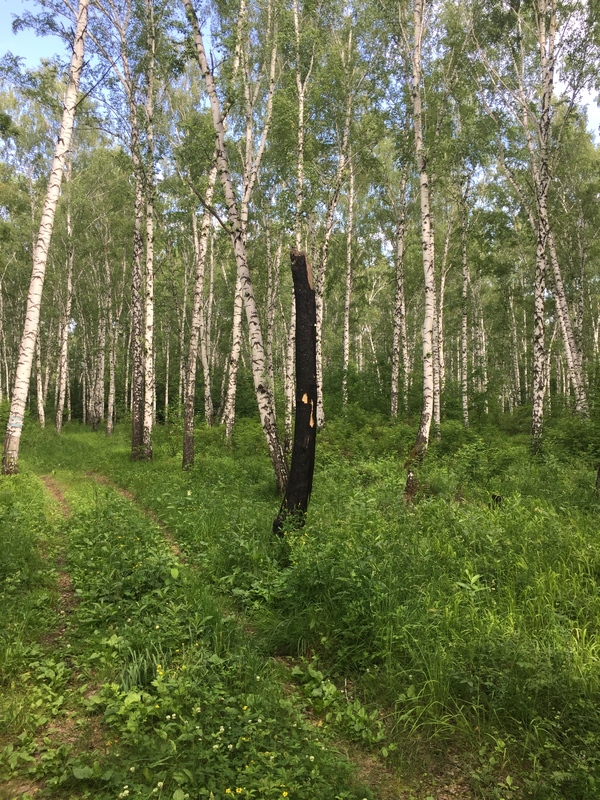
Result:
[175,549]
[387,784]
[57,494]
[67,600]
[16,789]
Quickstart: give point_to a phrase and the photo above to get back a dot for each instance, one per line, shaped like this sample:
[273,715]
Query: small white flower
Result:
[230,747]
[259,720]
[159,785]
[131,769]
[173,716]
[215,746]
[168,716]
[221,729]
[311,758]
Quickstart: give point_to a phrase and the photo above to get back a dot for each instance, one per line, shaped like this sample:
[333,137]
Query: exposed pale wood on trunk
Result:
[299,487]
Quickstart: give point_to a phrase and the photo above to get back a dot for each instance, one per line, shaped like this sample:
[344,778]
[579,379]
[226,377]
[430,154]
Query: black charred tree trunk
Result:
[299,486]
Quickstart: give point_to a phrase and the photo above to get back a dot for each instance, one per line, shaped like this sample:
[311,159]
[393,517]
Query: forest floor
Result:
[157,642]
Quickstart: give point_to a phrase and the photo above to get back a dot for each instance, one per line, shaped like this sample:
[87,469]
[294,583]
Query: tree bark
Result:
[149,357]
[301,88]
[97,398]
[299,487]
[464,327]
[572,350]
[63,357]
[137,316]
[40,256]
[399,337]
[39,383]
[237,222]
[200,248]
[427,241]
[348,293]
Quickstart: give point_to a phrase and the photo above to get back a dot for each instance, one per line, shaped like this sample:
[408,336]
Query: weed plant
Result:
[456,621]
[173,700]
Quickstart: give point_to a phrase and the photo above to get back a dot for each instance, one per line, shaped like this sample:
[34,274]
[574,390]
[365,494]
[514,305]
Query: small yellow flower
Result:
[227,791]
[238,790]
[284,794]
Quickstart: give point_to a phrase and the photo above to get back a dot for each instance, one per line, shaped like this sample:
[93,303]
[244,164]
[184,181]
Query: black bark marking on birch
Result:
[299,486]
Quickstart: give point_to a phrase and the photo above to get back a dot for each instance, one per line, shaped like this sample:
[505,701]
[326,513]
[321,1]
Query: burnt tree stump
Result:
[299,486]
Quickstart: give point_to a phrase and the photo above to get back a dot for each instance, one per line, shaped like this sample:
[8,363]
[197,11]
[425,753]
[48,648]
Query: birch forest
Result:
[430,168]
[433,162]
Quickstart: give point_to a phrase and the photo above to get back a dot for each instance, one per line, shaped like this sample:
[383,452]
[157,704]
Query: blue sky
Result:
[25,43]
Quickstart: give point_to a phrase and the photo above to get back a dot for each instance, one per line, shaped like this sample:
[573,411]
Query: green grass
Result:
[450,625]
[152,690]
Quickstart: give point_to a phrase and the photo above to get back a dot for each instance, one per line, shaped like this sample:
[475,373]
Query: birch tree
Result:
[237,221]
[40,257]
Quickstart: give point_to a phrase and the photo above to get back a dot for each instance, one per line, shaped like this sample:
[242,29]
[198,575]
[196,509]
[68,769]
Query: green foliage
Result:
[455,620]
[185,704]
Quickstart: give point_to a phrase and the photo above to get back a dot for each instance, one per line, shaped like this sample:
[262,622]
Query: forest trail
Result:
[67,598]
[74,727]
[106,481]
[371,769]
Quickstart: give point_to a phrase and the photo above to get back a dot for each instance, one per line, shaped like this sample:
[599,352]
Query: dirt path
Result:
[67,598]
[372,770]
[174,547]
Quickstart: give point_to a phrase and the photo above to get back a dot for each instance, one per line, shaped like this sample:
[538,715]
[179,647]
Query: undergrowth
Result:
[464,622]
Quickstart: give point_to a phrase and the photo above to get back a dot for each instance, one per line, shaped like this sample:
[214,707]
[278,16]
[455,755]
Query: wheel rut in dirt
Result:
[67,598]
[174,547]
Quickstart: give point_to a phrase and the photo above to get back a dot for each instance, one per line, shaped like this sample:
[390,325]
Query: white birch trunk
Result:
[228,418]
[149,358]
[399,337]
[301,88]
[63,359]
[40,255]
[200,248]
[237,220]
[464,327]
[324,250]
[39,384]
[97,398]
[572,351]
[427,241]
[348,292]
[439,367]
[516,392]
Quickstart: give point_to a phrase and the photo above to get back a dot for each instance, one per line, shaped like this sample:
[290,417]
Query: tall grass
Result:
[464,621]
